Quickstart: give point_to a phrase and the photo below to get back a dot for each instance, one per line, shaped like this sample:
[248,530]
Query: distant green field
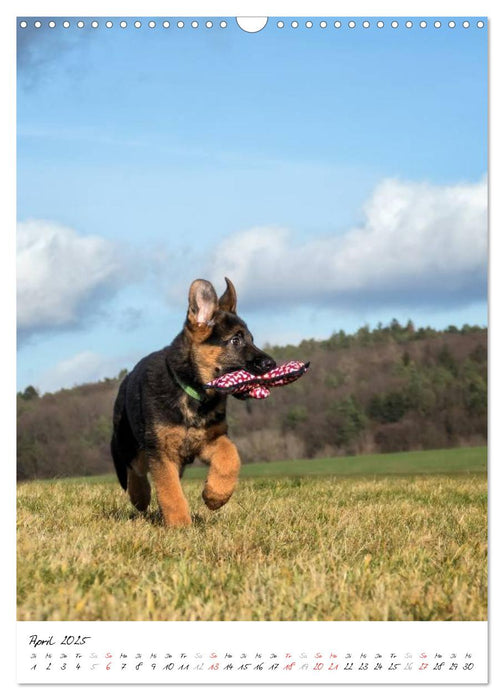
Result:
[375,537]
[461,460]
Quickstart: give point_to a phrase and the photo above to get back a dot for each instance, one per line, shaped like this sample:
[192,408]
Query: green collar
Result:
[191,391]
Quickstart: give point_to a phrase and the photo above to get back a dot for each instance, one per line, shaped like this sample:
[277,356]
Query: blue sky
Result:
[338,176]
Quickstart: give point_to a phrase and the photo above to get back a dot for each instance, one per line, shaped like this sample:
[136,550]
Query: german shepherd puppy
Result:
[164,416]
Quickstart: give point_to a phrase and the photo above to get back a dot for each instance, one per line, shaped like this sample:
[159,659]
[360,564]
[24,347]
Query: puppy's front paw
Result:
[214,500]
[177,519]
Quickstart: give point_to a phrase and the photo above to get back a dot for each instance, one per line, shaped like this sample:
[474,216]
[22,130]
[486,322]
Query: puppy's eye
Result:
[236,340]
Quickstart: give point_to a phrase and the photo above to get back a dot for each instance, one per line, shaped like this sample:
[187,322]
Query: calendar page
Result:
[243,652]
[252,347]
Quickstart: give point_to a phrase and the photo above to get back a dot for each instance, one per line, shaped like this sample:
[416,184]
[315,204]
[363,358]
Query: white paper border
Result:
[316,8]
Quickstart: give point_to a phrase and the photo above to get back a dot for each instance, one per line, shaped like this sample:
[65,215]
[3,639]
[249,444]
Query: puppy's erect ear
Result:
[202,307]
[227,302]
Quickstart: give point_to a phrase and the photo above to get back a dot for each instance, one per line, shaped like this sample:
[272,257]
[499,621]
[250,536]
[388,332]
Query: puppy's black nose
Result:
[263,364]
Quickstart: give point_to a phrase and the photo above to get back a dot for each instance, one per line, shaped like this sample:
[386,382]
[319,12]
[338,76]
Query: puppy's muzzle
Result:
[262,364]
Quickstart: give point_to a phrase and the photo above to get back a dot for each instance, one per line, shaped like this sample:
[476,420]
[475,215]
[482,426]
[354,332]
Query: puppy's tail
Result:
[123,446]
[120,465]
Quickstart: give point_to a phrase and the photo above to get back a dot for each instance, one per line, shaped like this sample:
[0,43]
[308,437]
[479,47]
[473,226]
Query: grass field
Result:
[375,537]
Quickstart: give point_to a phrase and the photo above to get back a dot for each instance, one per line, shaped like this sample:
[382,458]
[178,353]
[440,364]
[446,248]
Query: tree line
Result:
[387,389]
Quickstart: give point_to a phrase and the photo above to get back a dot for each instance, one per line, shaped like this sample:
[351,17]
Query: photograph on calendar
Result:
[251,319]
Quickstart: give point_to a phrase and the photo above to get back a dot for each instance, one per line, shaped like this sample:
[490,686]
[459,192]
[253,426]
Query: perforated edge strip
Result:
[206,23]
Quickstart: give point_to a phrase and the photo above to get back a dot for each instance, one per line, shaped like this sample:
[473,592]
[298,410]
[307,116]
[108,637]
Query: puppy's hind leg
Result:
[139,489]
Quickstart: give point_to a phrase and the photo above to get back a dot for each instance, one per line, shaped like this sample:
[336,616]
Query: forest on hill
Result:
[392,388]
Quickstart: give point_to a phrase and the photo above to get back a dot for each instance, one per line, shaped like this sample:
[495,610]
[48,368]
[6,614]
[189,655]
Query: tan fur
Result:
[170,439]
[207,358]
[181,444]
[224,462]
[171,499]
[178,445]
[198,332]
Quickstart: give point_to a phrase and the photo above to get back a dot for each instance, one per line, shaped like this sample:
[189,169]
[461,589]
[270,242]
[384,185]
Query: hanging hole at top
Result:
[252,24]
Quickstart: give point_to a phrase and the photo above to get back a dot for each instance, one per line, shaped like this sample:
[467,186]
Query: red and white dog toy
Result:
[246,385]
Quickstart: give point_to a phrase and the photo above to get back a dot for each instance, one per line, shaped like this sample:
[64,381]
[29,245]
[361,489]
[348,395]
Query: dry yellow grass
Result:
[327,548]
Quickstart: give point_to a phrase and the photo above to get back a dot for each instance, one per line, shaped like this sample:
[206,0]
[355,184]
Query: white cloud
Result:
[60,275]
[84,367]
[418,242]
